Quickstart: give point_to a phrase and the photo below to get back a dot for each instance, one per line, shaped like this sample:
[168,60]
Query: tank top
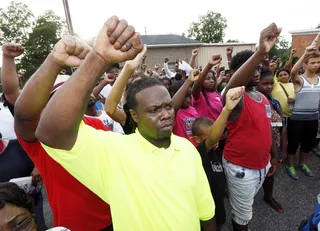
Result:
[250,139]
[307,101]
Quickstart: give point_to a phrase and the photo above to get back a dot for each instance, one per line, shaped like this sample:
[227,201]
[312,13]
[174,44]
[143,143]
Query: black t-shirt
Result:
[214,171]
[14,162]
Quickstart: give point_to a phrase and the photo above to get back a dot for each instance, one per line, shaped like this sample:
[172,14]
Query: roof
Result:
[168,39]
[307,31]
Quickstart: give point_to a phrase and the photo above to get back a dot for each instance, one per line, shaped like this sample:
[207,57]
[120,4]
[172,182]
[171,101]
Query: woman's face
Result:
[16,218]
[209,82]
[283,77]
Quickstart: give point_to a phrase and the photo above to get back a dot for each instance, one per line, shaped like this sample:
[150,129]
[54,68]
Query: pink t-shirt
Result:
[183,123]
[204,110]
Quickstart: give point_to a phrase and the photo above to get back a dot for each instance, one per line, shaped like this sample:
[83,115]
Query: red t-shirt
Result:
[73,205]
[250,139]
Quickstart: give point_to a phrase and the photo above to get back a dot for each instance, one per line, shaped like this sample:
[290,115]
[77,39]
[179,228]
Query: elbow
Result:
[109,108]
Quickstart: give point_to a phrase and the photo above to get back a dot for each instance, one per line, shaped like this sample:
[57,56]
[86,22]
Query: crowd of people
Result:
[141,148]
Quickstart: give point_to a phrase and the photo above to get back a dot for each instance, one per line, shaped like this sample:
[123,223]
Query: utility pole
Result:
[68,16]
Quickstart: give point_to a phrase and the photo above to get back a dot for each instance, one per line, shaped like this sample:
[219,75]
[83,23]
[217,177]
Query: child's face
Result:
[209,82]
[187,100]
[283,77]
[265,85]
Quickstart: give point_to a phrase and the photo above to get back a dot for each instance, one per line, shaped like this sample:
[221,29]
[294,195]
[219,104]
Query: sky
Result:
[245,18]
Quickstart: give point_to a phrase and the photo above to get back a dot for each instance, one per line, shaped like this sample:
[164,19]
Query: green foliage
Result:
[15,23]
[209,29]
[281,49]
[46,32]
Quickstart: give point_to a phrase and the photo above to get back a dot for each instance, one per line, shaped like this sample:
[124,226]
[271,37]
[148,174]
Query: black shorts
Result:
[302,132]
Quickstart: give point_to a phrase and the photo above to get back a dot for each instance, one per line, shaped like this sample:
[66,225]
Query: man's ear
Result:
[134,116]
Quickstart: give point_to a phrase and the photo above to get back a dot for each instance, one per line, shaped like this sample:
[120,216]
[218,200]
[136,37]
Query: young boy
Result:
[303,124]
[207,135]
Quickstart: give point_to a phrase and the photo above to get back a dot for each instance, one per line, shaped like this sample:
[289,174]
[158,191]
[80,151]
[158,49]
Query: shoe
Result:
[306,170]
[292,172]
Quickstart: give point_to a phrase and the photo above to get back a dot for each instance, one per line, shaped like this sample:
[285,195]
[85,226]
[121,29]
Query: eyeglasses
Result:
[26,225]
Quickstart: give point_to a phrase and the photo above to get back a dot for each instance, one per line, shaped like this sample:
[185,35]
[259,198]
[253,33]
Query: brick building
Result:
[303,38]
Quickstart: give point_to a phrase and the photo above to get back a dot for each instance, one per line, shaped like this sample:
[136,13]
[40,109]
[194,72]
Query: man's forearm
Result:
[273,152]
[34,98]
[35,94]
[9,79]
[69,104]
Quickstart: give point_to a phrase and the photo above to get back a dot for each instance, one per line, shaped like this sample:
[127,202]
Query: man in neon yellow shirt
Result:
[152,180]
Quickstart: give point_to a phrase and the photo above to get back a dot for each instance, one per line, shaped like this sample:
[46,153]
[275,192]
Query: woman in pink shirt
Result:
[181,101]
[206,100]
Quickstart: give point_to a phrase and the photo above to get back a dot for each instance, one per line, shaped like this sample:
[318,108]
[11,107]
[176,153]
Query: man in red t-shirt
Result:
[249,144]
[73,205]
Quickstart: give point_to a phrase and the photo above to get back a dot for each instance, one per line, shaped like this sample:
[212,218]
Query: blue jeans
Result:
[243,184]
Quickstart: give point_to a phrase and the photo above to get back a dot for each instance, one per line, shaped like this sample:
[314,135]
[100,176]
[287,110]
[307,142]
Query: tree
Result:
[281,49]
[209,29]
[15,23]
[47,31]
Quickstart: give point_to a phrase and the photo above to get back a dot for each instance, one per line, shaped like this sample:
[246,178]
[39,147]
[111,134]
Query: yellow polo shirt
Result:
[281,96]
[148,188]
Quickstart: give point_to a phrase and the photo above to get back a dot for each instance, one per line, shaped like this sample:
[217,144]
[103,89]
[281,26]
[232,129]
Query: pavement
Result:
[298,198]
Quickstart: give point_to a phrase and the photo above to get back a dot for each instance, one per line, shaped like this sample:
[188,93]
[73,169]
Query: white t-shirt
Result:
[109,123]
[6,124]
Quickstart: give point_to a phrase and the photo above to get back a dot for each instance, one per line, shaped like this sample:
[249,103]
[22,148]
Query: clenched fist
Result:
[12,50]
[117,42]
[70,51]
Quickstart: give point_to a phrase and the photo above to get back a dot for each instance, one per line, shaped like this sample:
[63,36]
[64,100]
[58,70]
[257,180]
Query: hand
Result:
[273,168]
[35,175]
[216,146]
[229,51]
[215,60]
[293,51]
[195,52]
[149,72]
[136,62]
[117,42]
[268,38]
[109,78]
[70,51]
[156,67]
[12,50]
[310,50]
[233,97]
[144,66]
[166,59]
[194,75]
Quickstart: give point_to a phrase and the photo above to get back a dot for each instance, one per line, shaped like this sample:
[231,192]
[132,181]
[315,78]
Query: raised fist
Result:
[194,75]
[195,52]
[233,97]
[310,50]
[70,51]
[229,50]
[117,42]
[166,59]
[12,50]
[156,67]
[215,59]
[293,51]
[268,38]
[136,62]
